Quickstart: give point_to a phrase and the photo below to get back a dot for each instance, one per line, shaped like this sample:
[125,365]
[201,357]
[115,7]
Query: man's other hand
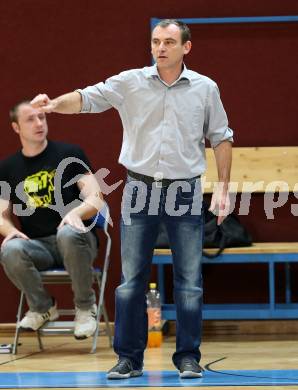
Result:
[14,234]
[220,203]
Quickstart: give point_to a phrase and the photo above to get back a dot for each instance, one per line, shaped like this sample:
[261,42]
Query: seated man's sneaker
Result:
[34,320]
[123,370]
[85,323]
[189,368]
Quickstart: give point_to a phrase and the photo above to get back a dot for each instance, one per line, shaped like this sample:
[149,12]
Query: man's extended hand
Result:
[220,203]
[74,221]
[69,103]
[43,103]
[14,234]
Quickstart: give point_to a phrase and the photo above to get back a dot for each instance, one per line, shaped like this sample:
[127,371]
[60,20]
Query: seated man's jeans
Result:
[144,207]
[23,259]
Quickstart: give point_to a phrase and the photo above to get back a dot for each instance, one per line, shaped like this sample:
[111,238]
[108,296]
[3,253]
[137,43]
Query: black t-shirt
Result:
[39,189]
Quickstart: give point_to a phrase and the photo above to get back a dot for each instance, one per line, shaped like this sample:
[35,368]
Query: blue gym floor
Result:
[26,380]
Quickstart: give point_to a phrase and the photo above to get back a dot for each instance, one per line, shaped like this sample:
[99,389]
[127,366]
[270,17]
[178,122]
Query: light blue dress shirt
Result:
[164,126]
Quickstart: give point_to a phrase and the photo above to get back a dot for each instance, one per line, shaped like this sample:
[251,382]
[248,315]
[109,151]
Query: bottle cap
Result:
[152,286]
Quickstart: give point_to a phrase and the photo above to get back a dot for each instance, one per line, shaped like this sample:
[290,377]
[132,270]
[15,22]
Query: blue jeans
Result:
[144,207]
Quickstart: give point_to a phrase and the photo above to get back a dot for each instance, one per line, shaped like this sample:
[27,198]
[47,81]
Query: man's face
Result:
[32,124]
[167,48]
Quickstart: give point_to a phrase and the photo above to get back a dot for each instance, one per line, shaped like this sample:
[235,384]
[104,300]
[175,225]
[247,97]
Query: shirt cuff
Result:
[226,135]
[85,103]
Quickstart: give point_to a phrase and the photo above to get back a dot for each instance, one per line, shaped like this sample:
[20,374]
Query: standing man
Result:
[167,111]
[49,236]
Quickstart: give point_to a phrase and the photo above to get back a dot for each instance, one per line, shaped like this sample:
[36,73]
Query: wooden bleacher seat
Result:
[263,165]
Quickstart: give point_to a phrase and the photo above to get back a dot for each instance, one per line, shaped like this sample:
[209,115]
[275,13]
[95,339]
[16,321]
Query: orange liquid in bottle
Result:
[154,339]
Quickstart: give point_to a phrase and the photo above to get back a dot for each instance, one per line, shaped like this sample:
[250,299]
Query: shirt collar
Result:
[152,72]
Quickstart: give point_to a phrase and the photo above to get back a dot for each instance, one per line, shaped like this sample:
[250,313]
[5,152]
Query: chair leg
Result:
[40,344]
[108,328]
[102,311]
[98,315]
[19,315]
[94,342]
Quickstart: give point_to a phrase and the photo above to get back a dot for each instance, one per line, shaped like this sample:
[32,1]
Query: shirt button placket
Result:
[164,127]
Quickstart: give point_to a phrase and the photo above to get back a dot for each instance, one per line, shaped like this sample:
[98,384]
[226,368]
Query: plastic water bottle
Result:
[154,316]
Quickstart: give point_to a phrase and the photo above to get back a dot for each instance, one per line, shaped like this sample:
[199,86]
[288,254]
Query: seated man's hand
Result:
[73,219]
[15,233]
[43,103]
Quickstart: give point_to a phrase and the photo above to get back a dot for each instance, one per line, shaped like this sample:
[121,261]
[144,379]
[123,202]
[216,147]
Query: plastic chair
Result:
[61,276]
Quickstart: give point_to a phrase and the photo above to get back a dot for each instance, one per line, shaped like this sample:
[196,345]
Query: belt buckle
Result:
[158,183]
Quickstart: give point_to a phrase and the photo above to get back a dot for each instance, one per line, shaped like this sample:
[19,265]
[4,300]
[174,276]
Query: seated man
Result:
[52,232]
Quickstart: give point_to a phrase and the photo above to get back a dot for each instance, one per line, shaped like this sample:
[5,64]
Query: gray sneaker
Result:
[123,370]
[189,368]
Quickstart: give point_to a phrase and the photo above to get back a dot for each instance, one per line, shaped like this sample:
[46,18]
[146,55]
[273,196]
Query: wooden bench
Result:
[268,169]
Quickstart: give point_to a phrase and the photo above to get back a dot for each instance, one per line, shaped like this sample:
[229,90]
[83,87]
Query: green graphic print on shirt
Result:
[39,189]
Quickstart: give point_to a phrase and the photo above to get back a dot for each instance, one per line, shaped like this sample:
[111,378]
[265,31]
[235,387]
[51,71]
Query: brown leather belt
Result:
[161,183]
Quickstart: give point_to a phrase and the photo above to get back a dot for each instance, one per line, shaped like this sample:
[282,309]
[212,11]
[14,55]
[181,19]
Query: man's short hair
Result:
[185,31]
[13,113]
